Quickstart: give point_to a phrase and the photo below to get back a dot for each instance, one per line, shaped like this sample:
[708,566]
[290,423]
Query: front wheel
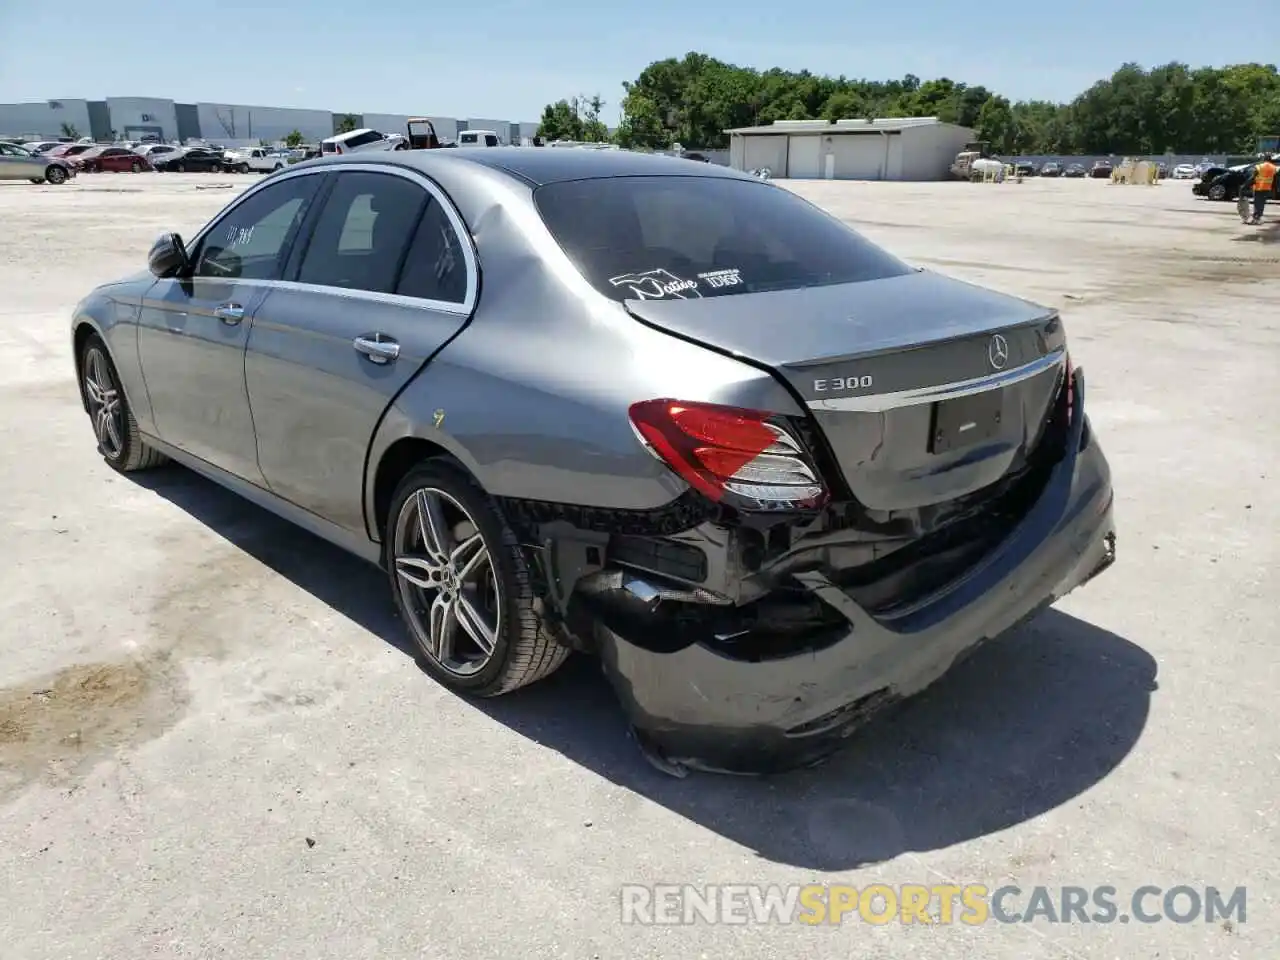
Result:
[135,167]
[243,168]
[55,175]
[462,586]
[180,167]
[278,166]
[119,440]
[1217,192]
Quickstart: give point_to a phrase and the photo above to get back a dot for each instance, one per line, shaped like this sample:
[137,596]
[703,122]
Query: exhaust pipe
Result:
[647,592]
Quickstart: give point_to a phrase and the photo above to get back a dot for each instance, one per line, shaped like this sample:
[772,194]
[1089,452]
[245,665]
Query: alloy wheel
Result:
[104,404]
[447,582]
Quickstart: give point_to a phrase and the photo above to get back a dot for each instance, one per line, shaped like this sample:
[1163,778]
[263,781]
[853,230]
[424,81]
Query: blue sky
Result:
[505,59]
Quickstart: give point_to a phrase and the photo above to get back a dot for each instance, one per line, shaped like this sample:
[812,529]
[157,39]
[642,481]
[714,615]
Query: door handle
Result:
[229,313]
[377,347]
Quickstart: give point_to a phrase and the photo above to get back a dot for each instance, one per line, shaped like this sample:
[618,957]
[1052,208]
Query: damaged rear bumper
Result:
[698,707]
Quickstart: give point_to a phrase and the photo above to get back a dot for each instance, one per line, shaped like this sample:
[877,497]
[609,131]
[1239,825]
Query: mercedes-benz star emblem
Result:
[998,352]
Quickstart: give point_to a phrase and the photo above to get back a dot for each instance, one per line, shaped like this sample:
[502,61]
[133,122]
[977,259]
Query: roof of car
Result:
[347,134]
[538,165]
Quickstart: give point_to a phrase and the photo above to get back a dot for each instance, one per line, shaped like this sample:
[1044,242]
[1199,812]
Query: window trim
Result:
[465,240]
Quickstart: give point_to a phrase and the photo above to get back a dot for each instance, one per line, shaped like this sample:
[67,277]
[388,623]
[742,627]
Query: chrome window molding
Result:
[465,241]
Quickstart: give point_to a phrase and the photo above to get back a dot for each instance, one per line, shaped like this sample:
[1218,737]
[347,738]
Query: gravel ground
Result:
[212,743]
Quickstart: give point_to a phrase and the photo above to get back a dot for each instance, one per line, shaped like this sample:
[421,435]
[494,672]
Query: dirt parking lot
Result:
[212,744]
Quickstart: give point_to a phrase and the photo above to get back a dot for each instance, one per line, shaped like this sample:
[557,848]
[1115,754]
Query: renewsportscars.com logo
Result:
[971,904]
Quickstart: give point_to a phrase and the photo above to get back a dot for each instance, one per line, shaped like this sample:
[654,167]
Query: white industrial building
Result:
[895,148]
[136,118]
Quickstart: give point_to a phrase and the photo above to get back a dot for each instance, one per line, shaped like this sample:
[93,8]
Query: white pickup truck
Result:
[257,159]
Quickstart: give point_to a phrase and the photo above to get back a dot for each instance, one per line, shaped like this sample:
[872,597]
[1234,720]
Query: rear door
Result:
[117,159]
[386,276]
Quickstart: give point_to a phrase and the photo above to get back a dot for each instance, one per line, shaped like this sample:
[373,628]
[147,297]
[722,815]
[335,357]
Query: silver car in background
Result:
[18,163]
[657,411]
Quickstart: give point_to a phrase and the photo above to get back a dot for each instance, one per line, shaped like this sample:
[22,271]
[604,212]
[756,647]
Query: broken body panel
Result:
[963,496]
[768,693]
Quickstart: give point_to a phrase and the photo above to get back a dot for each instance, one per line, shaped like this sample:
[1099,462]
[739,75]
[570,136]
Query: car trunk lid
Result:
[924,388]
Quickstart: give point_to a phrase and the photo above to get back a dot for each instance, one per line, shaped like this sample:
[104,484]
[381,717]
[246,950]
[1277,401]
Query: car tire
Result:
[55,175]
[119,440]
[278,166]
[492,604]
[1217,192]
[180,168]
[135,167]
[243,168]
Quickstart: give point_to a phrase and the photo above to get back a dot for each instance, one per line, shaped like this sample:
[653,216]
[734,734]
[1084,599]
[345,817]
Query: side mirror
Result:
[168,256]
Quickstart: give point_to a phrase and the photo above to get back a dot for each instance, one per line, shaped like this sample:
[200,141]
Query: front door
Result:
[381,284]
[192,330]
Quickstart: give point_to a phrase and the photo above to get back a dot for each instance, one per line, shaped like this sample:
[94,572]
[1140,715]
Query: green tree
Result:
[995,124]
[695,98]
[345,123]
[576,118]
[70,132]
[641,124]
[294,139]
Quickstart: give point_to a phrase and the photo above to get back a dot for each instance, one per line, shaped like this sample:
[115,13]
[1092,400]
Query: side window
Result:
[435,268]
[362,232]
[250,241]
[364,138]
[490,140]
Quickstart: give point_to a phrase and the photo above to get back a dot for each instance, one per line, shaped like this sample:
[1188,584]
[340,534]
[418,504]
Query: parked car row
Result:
[1101,169]
[27,160]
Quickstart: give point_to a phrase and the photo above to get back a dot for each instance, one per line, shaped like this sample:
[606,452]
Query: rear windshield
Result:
[662,238]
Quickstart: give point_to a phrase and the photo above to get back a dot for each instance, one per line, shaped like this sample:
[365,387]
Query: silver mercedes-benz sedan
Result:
[662,412]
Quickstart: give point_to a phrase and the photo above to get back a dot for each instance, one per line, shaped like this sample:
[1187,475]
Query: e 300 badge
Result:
[836,384]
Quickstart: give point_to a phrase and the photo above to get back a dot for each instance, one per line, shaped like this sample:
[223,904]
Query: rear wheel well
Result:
[401,457]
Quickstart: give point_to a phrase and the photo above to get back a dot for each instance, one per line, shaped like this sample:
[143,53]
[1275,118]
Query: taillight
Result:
[743,457]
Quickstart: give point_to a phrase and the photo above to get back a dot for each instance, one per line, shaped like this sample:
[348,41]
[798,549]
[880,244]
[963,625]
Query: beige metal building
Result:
[895,148]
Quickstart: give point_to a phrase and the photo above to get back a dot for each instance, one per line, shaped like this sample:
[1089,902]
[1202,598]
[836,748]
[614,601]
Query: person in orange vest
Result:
[1264,179]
